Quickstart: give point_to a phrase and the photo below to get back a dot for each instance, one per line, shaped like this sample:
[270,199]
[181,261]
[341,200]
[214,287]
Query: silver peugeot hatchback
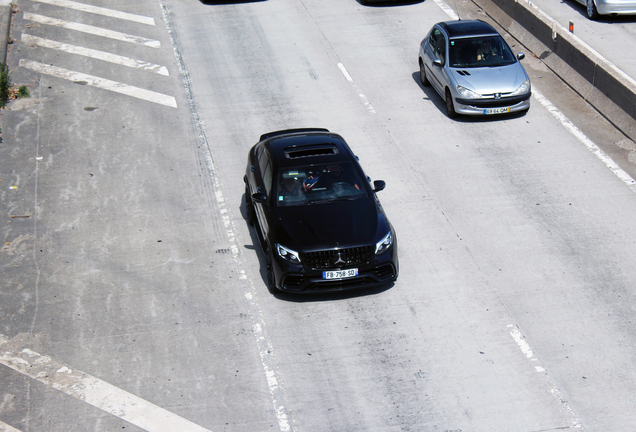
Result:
[473,68]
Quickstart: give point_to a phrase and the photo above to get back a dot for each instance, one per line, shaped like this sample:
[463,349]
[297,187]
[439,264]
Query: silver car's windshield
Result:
[483,51]
[319,183]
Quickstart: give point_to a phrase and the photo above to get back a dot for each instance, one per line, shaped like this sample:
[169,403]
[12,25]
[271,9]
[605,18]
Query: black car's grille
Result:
[340,258]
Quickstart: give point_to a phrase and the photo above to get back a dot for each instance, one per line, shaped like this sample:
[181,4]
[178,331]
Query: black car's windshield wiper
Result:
[318,201]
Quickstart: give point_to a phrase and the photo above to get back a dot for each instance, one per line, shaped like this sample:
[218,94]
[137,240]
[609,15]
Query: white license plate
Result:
[340,274]
[496,110]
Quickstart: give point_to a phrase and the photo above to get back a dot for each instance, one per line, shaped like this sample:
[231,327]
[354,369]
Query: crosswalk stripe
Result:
[99,55]
[91,30]
[102,83]
[94,391]
[100,11]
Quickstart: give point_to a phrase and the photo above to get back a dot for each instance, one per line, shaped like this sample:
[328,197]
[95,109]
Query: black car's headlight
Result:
[384,244]
[287,254]
[522,89]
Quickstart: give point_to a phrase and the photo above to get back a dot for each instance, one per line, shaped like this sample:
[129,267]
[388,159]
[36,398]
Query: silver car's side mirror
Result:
[521,56]
[438,62]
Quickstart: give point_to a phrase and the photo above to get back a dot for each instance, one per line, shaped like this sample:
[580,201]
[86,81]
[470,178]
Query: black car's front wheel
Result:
[450,108]
[271,278]
[249,208]
[423,78]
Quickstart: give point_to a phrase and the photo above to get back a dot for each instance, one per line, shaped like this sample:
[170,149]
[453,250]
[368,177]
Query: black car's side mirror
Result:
[378,185]
[259,197]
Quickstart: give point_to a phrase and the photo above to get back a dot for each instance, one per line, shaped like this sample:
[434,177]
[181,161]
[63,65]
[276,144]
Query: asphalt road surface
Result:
[132,293]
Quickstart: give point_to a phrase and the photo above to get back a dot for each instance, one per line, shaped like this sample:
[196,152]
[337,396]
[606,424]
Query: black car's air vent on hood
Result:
[463,72]
[308,151]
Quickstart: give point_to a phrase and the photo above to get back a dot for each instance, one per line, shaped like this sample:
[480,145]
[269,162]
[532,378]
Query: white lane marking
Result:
[97,31]
[362,96]
[102,83]
[554,390]
[446,8]
[6,428]
[94,391]
[585,140]
[263,341]
[100,11]
[99,55]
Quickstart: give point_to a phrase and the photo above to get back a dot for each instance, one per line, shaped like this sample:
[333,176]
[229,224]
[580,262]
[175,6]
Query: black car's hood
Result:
[329,225]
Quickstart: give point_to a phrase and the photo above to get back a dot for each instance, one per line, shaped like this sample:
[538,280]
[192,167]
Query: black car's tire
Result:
[271,279]
[249,209]
[423,78]
[450,108]
[592,12]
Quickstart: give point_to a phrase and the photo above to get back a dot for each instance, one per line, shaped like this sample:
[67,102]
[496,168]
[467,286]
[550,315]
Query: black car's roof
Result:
[307,146]
[467,28]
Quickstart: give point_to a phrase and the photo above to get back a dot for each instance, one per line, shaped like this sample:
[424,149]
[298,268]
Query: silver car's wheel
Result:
[592,12]
[423,78]
[450,108]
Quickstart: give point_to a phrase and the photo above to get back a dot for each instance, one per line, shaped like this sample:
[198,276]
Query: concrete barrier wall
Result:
[6,9]
[599,72]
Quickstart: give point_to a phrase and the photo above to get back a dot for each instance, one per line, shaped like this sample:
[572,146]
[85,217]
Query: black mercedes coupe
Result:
[317,217]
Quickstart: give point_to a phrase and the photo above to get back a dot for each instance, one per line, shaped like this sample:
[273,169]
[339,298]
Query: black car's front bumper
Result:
[292,278]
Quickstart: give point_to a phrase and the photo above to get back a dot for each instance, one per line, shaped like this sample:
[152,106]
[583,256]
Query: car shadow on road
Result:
[436,99]
[391,3]
[301,298]
[226,2]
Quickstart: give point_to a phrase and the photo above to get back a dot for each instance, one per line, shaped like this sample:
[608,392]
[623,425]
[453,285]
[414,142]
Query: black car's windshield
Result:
[483,51]
[319,183]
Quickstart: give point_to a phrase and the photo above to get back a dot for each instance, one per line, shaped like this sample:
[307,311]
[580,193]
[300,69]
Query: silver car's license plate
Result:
[496,110]
[340,274]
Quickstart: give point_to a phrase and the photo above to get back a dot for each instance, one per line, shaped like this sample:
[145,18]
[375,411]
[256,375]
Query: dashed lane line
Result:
[91,390]
[566,123]
[98,82]
[259,327]
[100,11]
[552,387]
[97,31]
[99,55]
[366,102]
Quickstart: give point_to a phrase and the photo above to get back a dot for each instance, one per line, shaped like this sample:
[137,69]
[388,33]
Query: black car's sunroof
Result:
[308,151]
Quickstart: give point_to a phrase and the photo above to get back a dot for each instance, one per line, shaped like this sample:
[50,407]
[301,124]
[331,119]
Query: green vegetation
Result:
[5,84]
[23,91]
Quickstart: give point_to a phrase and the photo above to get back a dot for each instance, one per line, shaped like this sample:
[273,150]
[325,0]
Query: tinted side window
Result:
[440,48]
[265,166]
[432,40]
